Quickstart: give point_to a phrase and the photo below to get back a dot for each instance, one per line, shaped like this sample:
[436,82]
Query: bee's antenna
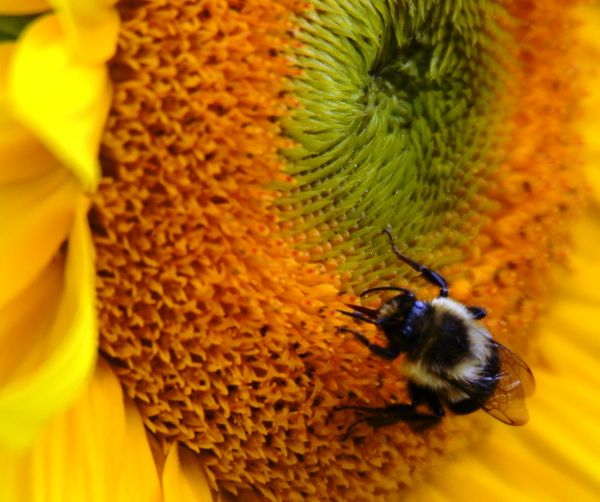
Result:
[429,275]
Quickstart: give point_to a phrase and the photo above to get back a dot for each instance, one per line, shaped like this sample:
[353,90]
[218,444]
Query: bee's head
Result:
[401,323]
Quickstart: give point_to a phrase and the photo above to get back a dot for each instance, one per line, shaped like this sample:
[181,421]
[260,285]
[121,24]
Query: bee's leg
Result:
[392,414]
[352,427]
[415,419]
[389,352]
[366,314]
[407,413]
[429,275]
[407,292]
[477,312]
[464,407]
[422,395]
[357,310]
[358,316]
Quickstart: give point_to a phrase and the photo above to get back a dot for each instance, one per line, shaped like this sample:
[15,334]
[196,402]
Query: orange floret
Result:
[222,332]
[540,185]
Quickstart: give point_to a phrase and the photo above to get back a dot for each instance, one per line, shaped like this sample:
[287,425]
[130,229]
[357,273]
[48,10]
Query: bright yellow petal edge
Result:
[52,113]
[64,101]
[64,348]
[48,332]
[556,456]
[98,450]
[91,26]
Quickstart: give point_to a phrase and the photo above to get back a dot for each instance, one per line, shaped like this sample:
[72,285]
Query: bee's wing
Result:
[514,382]
[512,364]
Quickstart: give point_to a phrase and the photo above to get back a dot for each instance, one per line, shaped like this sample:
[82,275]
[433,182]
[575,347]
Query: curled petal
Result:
[63,101]
[64,346]
[23,156]
[97,450]
[26,320]
[35,217]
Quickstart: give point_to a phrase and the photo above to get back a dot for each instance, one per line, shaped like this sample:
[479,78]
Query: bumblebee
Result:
[451,360]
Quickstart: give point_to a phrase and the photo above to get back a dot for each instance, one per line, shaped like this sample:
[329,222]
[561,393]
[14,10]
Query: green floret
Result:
[398,125]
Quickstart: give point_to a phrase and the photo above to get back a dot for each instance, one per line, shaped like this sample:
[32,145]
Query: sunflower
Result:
[191,190]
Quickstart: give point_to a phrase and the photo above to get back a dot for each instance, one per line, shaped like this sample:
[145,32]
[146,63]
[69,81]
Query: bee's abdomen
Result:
[465,406]
[477,379]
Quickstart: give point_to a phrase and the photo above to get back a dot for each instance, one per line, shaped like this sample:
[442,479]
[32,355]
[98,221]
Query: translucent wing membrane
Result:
[514,383]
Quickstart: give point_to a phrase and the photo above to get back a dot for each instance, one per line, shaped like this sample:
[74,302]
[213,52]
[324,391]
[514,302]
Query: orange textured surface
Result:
[538,189]
[225,335]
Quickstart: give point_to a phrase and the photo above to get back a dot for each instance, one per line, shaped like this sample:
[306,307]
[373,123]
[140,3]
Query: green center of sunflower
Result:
[394,128]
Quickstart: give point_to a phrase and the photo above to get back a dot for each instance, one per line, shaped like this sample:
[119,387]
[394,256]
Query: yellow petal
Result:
[63,101]
[91,26]
[96,451]
[184,478]
[138,477]
[23,6]
[22,155]
[35,217]
[27,402]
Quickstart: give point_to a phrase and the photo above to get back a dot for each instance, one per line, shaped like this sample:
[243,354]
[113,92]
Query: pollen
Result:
[220,269]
